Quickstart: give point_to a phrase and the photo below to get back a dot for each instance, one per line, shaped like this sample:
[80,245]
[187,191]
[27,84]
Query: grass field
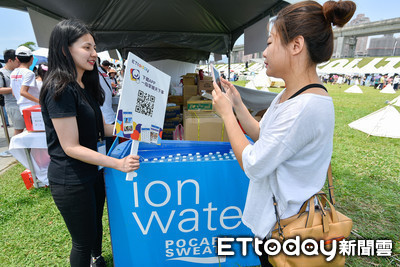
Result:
[366,177]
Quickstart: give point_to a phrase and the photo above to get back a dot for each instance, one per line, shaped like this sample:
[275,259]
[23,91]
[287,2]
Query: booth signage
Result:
[173,212]
[142,104]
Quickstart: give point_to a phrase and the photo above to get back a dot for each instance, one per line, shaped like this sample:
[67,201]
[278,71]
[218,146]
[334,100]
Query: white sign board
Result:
[142,103]
[37,121]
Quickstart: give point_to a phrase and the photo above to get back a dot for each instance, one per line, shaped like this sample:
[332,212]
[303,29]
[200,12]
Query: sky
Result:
[17,28]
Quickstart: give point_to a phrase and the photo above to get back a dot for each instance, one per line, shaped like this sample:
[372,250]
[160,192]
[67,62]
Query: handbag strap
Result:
[330,185]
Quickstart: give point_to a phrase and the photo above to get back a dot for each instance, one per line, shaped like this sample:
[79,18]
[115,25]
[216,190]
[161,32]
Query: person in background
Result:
[120,78]
[223,75]
[396,82]
[201,74]
[70,98]
[112,73]
[23,80]
[105,84]
[41,71]
[106,65]
[10,102]
[389,80]
[382,81]
[294,139]
[106,108]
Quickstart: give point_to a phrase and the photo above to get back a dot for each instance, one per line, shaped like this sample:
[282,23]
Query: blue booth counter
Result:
[185,195]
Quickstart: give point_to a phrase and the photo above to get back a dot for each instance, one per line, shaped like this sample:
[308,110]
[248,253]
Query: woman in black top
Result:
[70,100]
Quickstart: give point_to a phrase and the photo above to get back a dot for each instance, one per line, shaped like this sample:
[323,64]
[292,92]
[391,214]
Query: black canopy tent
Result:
[184,30]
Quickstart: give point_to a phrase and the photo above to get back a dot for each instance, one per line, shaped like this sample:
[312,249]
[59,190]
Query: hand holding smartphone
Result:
[216,77]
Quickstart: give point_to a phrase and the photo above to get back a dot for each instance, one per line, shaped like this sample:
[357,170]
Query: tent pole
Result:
[229,56]
[229,64]
[3,120]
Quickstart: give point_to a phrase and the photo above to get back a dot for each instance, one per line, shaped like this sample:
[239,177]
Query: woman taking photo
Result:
[70,100]
[294,139]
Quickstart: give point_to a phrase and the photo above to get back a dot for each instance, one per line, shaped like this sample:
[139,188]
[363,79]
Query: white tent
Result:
[395,102]
[388,89]
[251,85]
[277,82]
[261,79]
[256,67]
[42,52]
[175,69]
[384,122]
[354,89]
[41,56]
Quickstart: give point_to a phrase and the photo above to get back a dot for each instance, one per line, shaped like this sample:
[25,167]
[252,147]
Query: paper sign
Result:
[37,121]
[142,104]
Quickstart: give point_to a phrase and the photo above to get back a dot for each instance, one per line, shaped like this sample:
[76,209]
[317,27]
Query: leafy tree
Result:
[30,45]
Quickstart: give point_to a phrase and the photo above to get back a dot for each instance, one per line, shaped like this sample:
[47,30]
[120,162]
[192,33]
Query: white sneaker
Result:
[5,154]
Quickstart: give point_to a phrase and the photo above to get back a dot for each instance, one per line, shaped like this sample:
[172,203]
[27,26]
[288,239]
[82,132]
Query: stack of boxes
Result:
[205,85]
[189,86]
[173,118]
[200,121]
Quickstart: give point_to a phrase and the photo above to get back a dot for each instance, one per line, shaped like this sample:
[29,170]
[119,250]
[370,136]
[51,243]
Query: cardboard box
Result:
[205,85]
[197,103]
[172,122]
[188,92]
[27,178]
[168,134]
[33,119]
[172,112]
[190,79]
[203,126]
[178,100]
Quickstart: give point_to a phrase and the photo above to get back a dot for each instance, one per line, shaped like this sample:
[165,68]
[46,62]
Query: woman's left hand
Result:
[221,102]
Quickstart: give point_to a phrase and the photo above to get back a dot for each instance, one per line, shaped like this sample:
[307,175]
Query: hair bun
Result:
[338,13]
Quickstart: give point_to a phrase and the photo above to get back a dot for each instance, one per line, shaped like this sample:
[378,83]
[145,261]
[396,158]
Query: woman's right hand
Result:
[231,93]
[129,163]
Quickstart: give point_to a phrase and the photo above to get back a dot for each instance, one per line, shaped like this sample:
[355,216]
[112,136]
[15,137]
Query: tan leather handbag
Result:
[321,223]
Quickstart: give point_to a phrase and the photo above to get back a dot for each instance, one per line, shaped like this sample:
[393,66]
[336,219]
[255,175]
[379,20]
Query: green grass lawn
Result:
[366,176]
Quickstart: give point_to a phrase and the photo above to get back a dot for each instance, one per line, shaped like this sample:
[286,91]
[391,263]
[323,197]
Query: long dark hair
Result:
[61,66]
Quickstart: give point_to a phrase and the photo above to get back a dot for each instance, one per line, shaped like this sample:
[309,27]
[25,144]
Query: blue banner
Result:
[186,195]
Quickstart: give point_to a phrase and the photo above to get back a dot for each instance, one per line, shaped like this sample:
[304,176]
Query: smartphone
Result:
[216,77]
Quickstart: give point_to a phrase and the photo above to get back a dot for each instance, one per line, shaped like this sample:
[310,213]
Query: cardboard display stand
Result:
[141,107]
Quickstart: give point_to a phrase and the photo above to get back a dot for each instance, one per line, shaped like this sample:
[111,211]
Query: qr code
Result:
[145,103]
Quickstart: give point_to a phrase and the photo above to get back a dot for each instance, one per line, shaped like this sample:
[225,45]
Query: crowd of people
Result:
[20,86]
[378,81]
